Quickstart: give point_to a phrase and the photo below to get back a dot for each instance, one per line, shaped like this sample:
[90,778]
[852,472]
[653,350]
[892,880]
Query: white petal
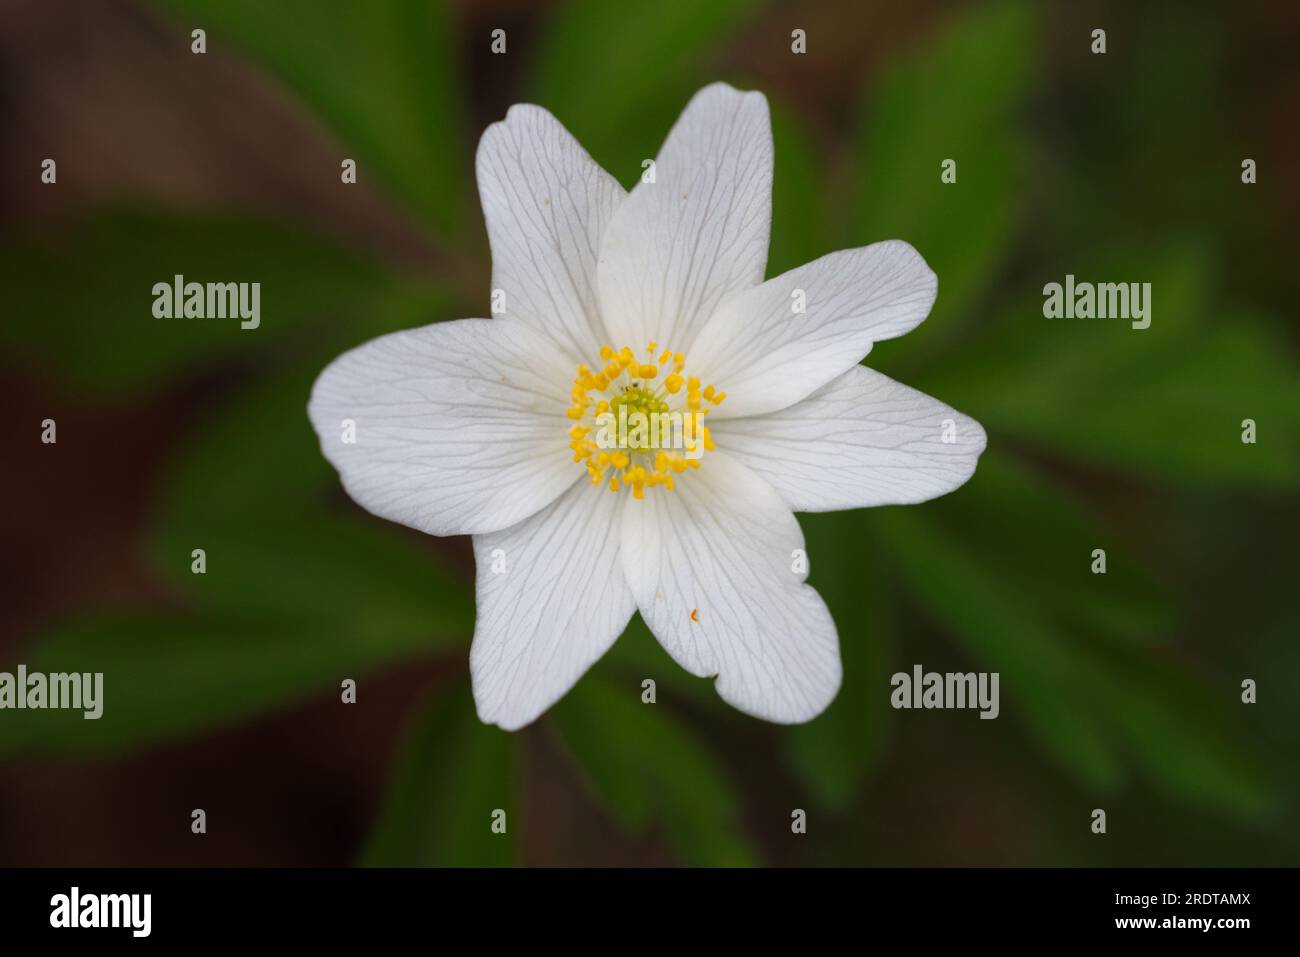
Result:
[679,246]
[547,204]
[459,426]
[560,603]
[765,355]
[861,440]
[724,545]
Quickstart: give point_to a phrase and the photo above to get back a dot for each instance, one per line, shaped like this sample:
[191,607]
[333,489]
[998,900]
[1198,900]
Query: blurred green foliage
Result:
[647,768]
[381,76]
[960,98]
[450,770]
[90,288]
[617,74]
[302,589]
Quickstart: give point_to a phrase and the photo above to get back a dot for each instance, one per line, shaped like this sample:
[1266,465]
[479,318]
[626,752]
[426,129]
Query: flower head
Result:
[637,428]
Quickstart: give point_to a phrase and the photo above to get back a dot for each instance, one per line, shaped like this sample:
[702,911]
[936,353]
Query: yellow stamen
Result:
[639,448]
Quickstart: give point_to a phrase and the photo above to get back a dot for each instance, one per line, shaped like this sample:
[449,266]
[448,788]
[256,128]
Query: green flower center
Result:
[636,398]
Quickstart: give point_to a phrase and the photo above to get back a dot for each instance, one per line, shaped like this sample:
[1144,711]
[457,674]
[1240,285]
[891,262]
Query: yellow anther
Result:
[635,460]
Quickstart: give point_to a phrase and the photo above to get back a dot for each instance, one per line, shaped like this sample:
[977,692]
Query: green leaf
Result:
[169,676]
[1185,733]
[798,223]
[956,97]
[618,74]
[86,298]
[646,768]
[637,655]
[1039,670]
[382,75]
[835,753]
[304,570]
[255,492]
[451,775]
[1047,551]
[1086,702]
[1180,419]
[1166,402]
[296,593]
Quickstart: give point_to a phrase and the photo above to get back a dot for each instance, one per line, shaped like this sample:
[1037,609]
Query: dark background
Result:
[1118,691]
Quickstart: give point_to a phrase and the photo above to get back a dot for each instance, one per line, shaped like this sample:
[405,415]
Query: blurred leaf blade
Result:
[647,62]
[798,220]
[956,97]
[91,290]
[168,676]
[1036,667]
[382,76]
[294,594]
[255,492]
[451,776]
[836,753]
[1165,403]
[1182,421]
[1071,698]
[647,768]
[1047,551]
[637,655]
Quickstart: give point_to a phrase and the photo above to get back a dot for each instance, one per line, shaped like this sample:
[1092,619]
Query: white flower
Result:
[488,427]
